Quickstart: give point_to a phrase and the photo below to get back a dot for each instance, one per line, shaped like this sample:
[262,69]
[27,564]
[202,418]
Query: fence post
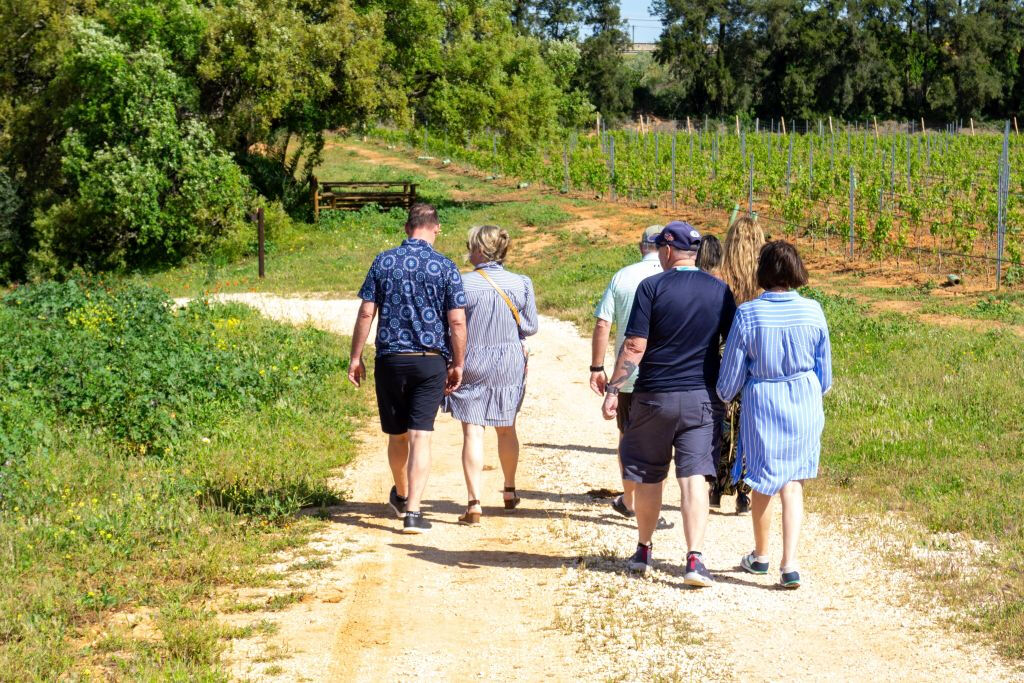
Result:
[789,163]
[810,152]
[425,141]
[750,188]
[260,243]
[714,157]
[315,188]
[674,166]
[1004,190]
[853,183]
[611,167]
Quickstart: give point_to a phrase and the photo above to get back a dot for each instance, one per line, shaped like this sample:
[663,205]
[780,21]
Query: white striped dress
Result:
[494,375]
[778,354]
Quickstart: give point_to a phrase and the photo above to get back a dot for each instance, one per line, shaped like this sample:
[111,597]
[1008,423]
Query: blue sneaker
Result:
[790,580]
[750,564]
[641,560]
[397,503]
[696,573]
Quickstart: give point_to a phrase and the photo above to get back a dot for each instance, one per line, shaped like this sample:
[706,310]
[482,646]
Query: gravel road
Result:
[540,594]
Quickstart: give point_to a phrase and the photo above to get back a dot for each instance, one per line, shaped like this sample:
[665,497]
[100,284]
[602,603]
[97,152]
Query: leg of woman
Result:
[792,514]
[508,454]
[472,459]
[762,519]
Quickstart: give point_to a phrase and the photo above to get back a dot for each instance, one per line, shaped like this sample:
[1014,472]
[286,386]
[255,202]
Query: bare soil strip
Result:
[540,594]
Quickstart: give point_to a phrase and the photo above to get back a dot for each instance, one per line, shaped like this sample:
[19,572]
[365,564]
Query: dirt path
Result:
[540,594]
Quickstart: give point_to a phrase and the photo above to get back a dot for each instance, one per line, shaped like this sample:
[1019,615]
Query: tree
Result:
[603,74]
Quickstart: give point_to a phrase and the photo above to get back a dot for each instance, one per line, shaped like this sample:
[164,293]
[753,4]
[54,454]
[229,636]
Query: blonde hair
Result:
[742,247]
[489,240]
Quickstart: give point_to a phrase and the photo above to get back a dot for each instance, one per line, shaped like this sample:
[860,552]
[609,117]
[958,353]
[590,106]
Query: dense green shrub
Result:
[140,183]
[128,366]
[145,452]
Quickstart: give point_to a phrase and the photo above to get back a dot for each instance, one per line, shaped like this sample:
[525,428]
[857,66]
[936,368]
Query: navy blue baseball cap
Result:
[679,235]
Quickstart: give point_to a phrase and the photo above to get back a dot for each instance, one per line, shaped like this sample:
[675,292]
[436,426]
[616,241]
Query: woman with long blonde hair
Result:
[738,269]
[743,244]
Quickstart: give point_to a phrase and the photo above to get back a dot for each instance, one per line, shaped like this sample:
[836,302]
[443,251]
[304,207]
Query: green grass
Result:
[220,425]
[1005,307]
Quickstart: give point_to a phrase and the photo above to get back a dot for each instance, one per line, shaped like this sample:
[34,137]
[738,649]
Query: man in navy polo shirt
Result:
[421,342]
[675,329]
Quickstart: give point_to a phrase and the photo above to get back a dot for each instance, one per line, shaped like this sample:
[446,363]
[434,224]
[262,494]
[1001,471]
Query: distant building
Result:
[637,48]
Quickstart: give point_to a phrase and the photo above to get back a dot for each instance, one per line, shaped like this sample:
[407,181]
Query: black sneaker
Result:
[715,497]
[696,573]
[396,502]
[621,508]
[415,524]
[641,560]
[742,503]
[750,564]
[790,580]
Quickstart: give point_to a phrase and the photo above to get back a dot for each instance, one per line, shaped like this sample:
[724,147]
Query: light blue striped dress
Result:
[494,375]
[778,354]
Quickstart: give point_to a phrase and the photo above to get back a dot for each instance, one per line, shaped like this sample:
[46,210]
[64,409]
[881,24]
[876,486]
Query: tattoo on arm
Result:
[630,368]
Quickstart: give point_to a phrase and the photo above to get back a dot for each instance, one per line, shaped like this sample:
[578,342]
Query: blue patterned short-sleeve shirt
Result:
[414,287]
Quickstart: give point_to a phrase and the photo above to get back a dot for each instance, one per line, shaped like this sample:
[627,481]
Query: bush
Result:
[133,435]
[140,184]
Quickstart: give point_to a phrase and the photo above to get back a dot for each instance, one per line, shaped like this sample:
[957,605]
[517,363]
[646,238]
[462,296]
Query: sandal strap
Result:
[509,489]
[472,503]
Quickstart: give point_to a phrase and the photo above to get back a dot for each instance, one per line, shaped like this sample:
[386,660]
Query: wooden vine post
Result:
[782,120]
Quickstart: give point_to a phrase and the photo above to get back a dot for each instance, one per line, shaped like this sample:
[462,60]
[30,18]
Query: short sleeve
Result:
[371,290]
[639,324]
[606,306]
[455,293]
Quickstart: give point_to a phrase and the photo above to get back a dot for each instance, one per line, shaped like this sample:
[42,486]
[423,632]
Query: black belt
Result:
[417,353]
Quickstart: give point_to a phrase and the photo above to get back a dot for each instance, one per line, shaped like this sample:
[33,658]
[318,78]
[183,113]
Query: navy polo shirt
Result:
[684,314]
[414,287]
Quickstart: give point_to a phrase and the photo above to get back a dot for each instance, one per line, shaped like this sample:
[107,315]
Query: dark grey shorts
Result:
[683,424]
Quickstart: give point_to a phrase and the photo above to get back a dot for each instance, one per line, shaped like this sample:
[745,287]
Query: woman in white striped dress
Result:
[778,354]
[501,312]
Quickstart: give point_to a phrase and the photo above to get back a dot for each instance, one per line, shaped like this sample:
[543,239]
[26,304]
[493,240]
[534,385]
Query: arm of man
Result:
[356,369]
[457,326]
[626,364]
[605,313]
[598,349]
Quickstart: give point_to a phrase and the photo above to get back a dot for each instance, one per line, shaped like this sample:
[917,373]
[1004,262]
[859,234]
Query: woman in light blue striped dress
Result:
[500,313]
[778,354]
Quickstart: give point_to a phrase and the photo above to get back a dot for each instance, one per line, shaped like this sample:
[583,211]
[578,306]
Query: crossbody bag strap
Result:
[508,301]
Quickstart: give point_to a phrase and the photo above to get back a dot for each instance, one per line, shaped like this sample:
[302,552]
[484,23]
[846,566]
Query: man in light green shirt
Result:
[615,307]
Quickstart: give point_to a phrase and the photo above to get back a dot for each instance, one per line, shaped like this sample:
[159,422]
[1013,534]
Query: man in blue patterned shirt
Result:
[421,343]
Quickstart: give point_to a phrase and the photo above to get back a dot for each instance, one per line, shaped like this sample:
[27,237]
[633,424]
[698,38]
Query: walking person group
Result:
[694,337]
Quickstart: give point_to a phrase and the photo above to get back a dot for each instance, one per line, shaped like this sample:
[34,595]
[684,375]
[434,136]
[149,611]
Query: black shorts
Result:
[683,424]
[409,391]
[622,414]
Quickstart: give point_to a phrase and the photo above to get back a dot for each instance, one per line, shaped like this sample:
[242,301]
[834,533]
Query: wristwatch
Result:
[611,391]
[597,368]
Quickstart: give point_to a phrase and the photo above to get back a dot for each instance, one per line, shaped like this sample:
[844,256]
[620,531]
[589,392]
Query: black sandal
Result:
[513,502]
[470,518]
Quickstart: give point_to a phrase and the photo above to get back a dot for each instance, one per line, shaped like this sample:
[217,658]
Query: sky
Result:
[637,14]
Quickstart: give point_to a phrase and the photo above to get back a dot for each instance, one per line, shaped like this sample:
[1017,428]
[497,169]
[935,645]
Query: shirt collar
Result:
[415,242]
[780,296]
[653,256]
[686,269]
